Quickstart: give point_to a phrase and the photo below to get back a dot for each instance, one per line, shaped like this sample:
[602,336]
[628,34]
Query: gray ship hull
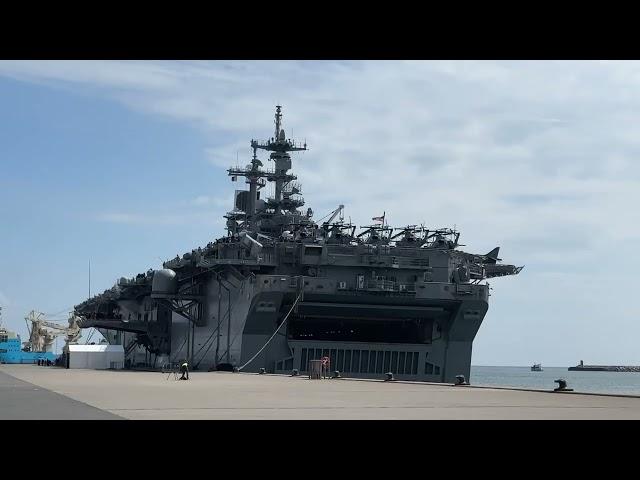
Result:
[281,290]
[415,335]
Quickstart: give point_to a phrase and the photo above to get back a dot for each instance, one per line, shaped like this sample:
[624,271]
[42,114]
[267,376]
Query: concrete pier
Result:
[223,395]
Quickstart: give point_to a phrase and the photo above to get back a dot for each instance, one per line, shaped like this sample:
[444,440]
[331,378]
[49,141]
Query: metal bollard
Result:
[461,380]
[562,386]
[262,371]
[336,374]
[389,377]
[295,372]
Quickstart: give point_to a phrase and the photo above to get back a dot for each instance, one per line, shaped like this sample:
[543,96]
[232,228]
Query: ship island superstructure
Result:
[280,289]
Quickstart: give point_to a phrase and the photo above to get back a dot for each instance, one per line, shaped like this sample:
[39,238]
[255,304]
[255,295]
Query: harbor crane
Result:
[42,333]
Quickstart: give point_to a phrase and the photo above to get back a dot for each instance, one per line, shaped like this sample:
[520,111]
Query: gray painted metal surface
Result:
[381,299]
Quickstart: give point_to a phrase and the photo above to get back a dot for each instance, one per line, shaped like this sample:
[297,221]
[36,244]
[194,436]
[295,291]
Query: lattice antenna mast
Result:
[280,146]
[285,192]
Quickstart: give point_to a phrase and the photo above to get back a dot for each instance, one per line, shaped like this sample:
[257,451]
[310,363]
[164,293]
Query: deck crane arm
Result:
[334,214]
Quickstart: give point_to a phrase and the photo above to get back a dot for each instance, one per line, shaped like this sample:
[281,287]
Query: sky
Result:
[122,164]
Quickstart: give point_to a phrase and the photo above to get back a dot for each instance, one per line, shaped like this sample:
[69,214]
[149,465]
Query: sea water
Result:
[627,383]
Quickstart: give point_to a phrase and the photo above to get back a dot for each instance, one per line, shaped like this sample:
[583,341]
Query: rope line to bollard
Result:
[274,333]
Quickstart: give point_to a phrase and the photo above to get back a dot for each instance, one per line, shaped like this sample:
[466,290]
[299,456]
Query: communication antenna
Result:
[89,278]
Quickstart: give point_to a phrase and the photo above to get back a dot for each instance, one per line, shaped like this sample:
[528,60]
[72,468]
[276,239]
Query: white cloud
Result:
[206,200]
[538,157]
[201,200]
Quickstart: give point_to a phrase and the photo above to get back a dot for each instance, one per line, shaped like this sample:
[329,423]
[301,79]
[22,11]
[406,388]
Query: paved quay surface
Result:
[20,400]
[223,395]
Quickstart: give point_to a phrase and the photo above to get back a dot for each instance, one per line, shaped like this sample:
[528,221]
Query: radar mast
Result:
[285,198]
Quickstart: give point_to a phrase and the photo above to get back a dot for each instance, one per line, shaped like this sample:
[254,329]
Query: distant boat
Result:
[536,367]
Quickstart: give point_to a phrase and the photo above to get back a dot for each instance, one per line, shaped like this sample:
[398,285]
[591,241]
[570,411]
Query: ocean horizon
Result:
[621,383]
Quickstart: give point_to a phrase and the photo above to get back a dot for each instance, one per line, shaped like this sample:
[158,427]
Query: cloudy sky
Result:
[123,164]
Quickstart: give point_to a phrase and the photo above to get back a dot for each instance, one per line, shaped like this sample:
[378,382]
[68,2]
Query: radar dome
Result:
[164,281]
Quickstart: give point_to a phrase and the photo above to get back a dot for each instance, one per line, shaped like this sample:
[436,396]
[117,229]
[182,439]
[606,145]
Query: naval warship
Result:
[281,289]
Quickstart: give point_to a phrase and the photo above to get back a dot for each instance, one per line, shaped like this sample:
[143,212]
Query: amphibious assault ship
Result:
[280,289]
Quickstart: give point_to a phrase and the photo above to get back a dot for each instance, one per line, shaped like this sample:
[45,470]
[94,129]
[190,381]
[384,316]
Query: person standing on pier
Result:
[184,368]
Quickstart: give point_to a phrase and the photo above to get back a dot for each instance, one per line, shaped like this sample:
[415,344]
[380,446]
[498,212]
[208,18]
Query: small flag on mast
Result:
[379,219]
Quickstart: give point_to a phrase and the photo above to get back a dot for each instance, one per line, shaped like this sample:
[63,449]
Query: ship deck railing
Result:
[381,288]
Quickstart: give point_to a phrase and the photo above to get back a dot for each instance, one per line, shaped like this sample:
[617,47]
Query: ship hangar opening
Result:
[338,322]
